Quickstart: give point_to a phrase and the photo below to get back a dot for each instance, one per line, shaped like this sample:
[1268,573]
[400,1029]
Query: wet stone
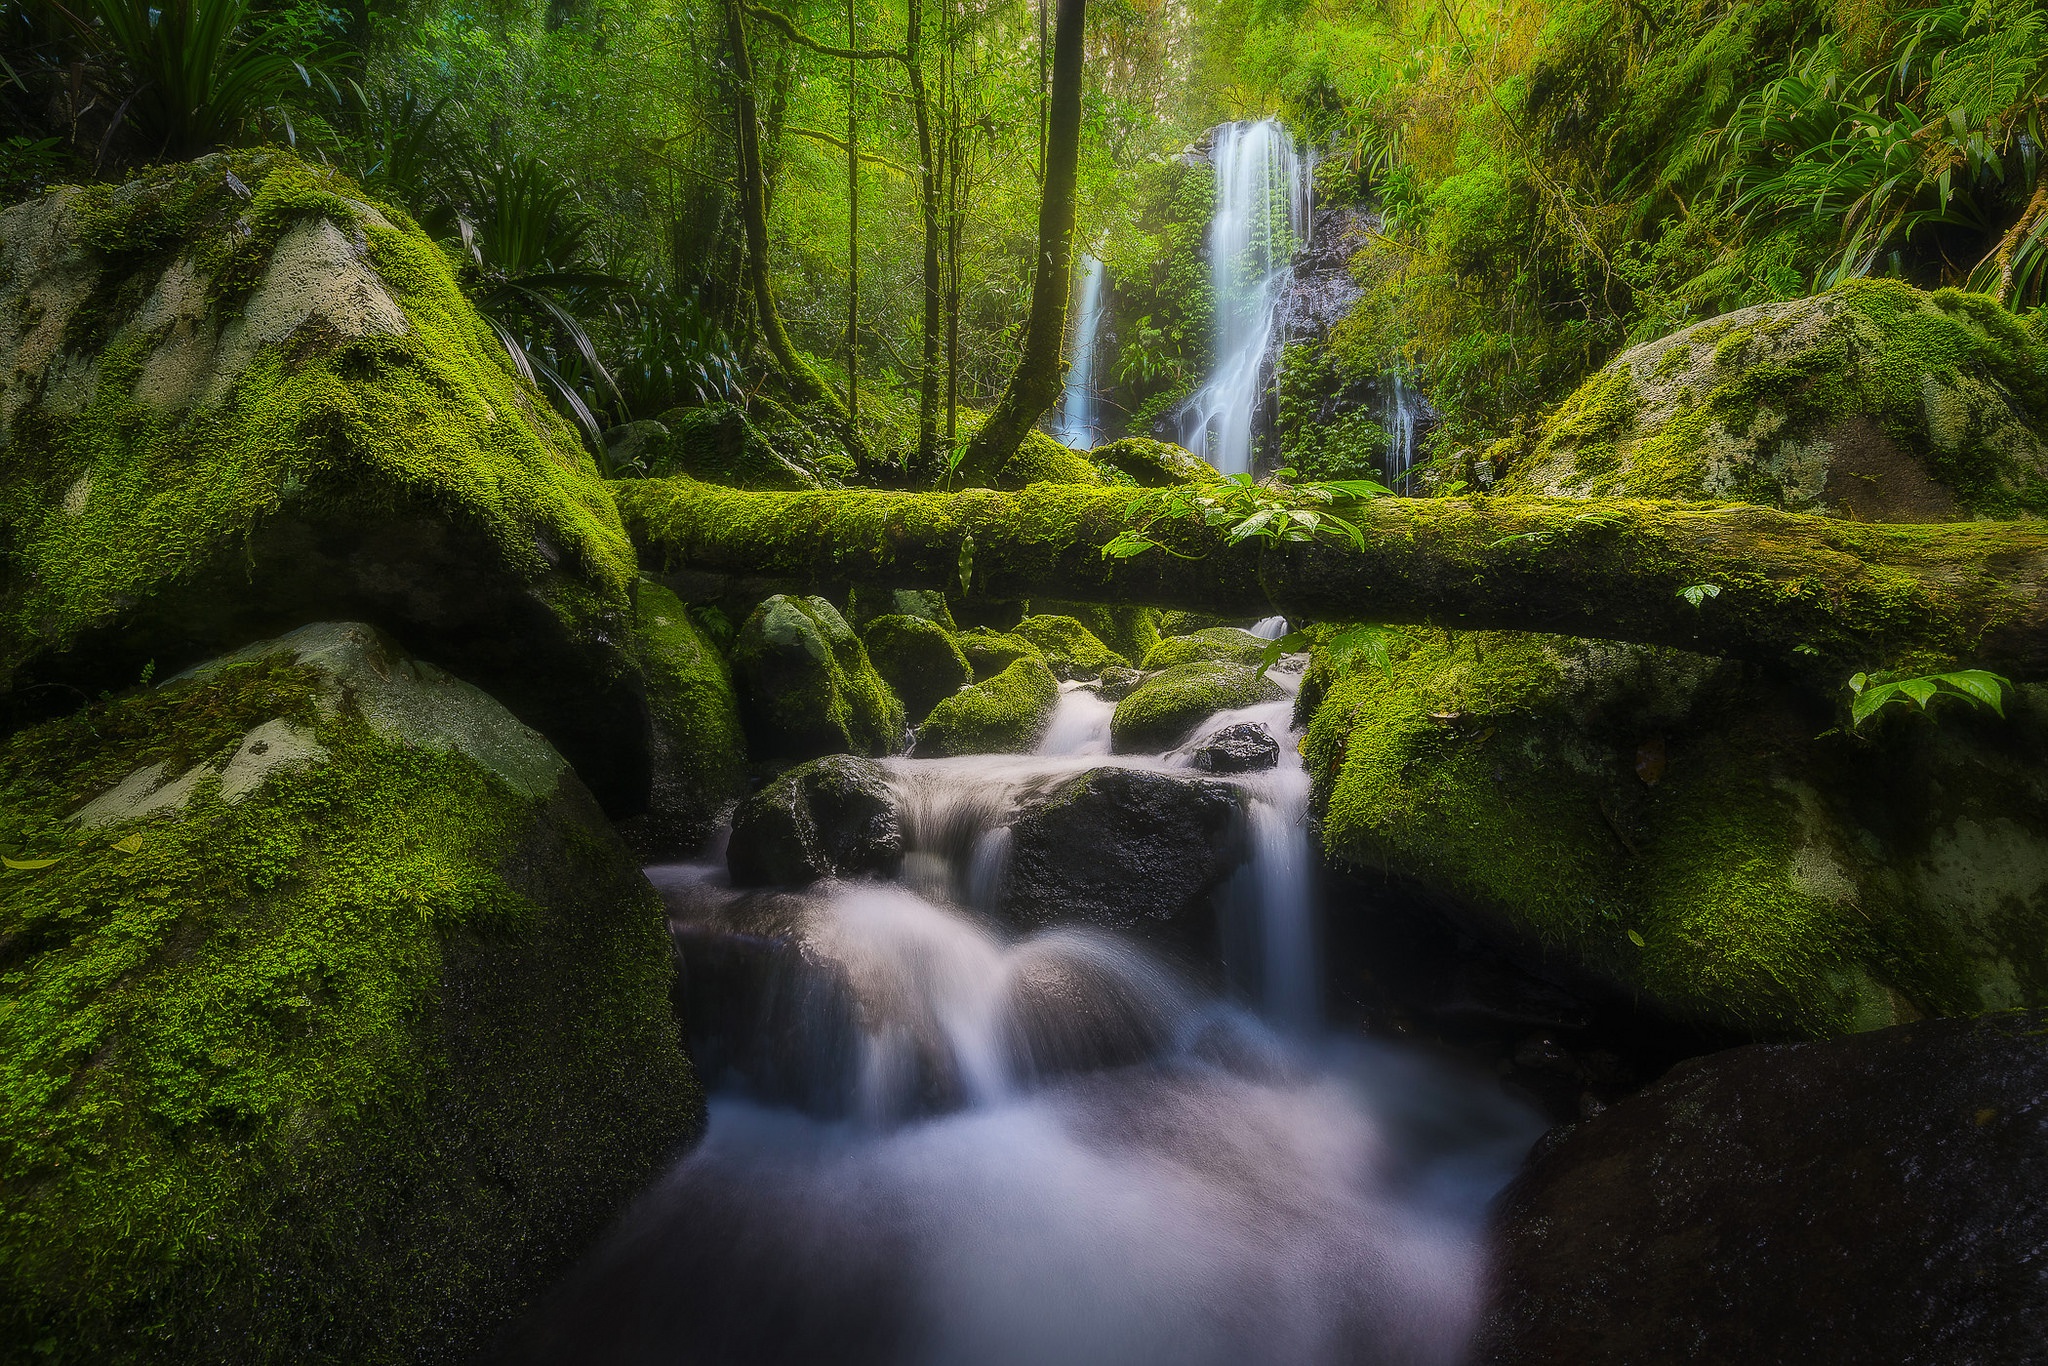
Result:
[1243,748]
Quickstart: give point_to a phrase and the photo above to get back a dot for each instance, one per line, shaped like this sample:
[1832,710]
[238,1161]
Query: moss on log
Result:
[1817,594]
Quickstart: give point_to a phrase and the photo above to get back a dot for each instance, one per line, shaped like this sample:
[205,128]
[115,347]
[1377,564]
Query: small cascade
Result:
[1080,723]
[1261,217]
[1269,628]
[1403,407]
[1079,426]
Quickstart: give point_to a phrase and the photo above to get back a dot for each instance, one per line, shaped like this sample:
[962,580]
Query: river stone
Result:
[1877,1198]
[1070,648]
[359,1046]
[806,686]
[864,605]
[161,520]
[698,749]
[1227,643]
[1154,464]
[1117,684]
[832,817]
[1242,748]
[1003,715]
[1163,710]
[1124,849]
[991,652]
[919,661]
[1874,401]
[631,445]
[1129,630]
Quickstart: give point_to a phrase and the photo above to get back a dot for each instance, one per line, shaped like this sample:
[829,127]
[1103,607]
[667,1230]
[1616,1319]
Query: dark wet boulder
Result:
[1243,748]
[1005,714]
[1070,648]
[1165,709]
[633,445]
[919,661]
[1877,1198]
[1124,849]
[806,686]
[237,396]
[832,817]
[697,749]
[335,1022]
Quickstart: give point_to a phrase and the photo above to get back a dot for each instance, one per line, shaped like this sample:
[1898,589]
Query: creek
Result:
[936,1139]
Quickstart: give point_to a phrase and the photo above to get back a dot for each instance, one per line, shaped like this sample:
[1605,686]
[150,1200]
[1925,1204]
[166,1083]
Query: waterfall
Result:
[1402,407]
[1079,428]
[1261,216]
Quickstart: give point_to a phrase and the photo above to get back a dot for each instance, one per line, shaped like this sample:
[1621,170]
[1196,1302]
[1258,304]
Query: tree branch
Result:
[819,135]
[786,26]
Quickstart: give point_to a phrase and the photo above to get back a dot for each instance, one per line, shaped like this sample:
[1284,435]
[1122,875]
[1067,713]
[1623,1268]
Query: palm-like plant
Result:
[194,80]
[673,353]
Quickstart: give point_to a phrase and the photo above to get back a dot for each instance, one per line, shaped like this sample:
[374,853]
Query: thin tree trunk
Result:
[1035,385]
[928,377]
[852,227]
[1817,596]
[956,151]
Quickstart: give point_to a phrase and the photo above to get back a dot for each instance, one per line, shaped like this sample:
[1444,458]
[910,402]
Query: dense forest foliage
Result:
[1550,182]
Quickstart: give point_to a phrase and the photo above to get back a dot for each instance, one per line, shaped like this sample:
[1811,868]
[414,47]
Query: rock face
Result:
[172,355]
[697,749]
[1879,1198]
[1123,849]
[806,686]
[1004,715]
[1873,401]
[333,1033]
[1163,709]
[1243,748]
[919,661]
[1070,648]
[832,817]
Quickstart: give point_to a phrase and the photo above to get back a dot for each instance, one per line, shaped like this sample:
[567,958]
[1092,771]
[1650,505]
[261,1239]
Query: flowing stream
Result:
[1261,216]
[942,1142]
[1080,427]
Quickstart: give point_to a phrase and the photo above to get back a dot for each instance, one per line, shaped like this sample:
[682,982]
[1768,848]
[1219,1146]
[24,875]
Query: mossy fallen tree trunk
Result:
[1814,593]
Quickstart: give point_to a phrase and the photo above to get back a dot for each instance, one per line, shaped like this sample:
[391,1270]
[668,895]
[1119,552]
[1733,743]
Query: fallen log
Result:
[1817,594]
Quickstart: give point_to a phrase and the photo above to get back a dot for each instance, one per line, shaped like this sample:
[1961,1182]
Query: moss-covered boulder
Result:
[806,686]
[1003,715]
[919,660]
[1069,647]
[1875,401]
[717,444]
[1211,642]
[334,1024]
[1130,631]
[1153,464]
[1165,709]
[991,652]
[1038,460]
[235,396]
[1176,623]
[863,605]
[831,817]
[697,748]
[1671,825]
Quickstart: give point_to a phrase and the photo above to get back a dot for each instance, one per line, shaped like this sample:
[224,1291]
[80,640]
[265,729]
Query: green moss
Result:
[1071,648]
[717,444]
[1130,631]
[344,1072]
[1167,706]
[991,652]
[699,749]
[1002,715]
[1153,464]
[866,604]
[918,659]
[1210,642]
[1037,460]
[806,686]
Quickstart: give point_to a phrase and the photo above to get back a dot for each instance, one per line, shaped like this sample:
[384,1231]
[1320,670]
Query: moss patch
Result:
[1210,642]
[918,659]
[699,749]
[1004,715]
[1167,706]
[1071,648]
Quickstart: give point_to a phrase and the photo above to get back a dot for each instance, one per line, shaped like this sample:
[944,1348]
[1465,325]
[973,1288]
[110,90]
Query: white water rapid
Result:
[1079,426]
[1261,216]
[941,1141]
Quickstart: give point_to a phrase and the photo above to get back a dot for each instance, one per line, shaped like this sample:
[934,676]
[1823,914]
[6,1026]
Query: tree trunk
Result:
[928,378]
[852,226]
[1819,596]
[1036,384]
[804,384]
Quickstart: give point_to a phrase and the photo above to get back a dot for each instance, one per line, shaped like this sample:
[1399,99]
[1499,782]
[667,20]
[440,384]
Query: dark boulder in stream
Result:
[1125,849]
[832,817]
[1242,748]
[1878,1198]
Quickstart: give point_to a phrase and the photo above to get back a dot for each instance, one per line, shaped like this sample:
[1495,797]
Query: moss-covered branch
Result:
[1812,592]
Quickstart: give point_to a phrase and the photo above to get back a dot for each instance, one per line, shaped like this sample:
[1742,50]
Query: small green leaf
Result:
[967,560]
[131,845]
[1918,689]
[1700,592]
[1856,682]
[1127,544]
[26,865]
[1980,685]
[1637,940]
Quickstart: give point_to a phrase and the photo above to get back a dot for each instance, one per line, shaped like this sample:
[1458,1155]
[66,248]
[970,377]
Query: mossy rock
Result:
[1037,460]
[1874,401]
[698,750]
[235,396]
[1670,825]
[919,660]
[1211,642]
[1176,623]
[991,652]
[1165,709]
[334,1028]
[1154,464]
[1071,648]
[1004,715]
[863,605]
[831,817]
[806,686]
[717,444]
[1130,631]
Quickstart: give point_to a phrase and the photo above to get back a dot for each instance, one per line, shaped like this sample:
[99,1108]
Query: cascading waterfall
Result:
[1079,426]
[1402,407]
[948,1145]
[1261,216]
